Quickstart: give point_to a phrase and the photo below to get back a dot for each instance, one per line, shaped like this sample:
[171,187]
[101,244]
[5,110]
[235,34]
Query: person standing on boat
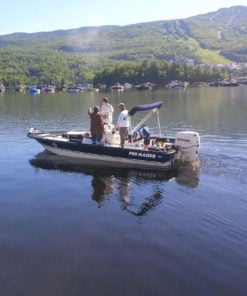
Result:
[96,125]
[123,123]
[107,110]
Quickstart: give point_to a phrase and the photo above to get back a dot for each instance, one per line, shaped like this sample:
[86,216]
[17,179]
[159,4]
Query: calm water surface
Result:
[68,229]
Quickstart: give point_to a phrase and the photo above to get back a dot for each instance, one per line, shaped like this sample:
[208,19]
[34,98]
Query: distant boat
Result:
[144,86]
[49,88]
[2,88]
[100,86]
[242,80]
[229,83]
[89,87]
[34,90]
[127,85]
[214,83]
[177,84]
[73,89]
[223,83]
[117,86]
[86,86]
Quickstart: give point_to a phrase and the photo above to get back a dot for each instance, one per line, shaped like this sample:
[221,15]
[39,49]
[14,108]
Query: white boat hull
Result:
[112,161]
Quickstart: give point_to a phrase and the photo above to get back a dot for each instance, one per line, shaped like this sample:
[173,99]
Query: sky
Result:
[31,16]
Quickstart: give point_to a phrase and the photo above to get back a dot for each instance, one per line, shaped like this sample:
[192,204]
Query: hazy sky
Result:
[49,15]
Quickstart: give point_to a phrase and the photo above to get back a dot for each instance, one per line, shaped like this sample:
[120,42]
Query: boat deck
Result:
[79,137]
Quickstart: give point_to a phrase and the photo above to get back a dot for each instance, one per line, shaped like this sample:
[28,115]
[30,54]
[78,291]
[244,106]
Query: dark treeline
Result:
[159,73]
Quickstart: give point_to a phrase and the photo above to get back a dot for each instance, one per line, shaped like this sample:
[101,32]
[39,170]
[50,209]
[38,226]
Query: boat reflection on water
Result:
[189,177]
[108,182]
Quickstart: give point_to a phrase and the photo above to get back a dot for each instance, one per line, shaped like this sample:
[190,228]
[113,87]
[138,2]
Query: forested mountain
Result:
[216,37]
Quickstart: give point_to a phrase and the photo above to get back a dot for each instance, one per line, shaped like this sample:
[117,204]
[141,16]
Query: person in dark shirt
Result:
[96,125]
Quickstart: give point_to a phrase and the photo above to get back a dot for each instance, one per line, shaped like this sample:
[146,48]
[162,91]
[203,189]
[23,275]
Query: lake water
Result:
[68,229]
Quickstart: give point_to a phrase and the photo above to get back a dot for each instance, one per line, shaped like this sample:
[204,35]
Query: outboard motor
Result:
[187,143]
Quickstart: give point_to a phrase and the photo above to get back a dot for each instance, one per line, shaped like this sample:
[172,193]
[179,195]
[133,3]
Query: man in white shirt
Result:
[107,110]
[123,123]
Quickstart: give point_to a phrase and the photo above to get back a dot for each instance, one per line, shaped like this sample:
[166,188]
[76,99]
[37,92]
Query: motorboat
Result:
[242,80]
[74,89]
[144,148]
[49,88]
[176,84]
[223,83]
[145,86]
[117,86]
[2,88]
[127,85]
[34,90]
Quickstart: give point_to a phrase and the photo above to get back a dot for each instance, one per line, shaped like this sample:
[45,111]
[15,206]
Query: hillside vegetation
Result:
[77,55]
